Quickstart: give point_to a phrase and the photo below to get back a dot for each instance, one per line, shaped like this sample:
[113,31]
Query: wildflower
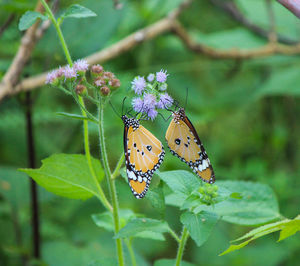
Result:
[163,87]
[100,82]
[115,83]
[97,69]
[138,105]
[151,77]
[59,72]
[165,101]
[152,113]
[81,65]
[138,85]
[108,75]
[80,89]
[51,76]
[149,101]
[161,76]
[104,90]
[69,72]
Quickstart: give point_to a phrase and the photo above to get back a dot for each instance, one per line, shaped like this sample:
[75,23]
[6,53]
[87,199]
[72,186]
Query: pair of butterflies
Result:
[144,153]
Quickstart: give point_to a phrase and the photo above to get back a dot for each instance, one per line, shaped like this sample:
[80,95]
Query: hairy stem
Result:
[131,252]
[101,196]
[184,237]
[116,172]
[110,182]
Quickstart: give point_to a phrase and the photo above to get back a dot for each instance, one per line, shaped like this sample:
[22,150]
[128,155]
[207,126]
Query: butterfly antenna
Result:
[123,105]
[114,109]
[186,97]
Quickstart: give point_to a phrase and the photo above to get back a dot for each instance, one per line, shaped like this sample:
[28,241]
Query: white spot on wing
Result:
[131,175]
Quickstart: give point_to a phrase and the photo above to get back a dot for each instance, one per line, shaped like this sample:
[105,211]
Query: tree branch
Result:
[232,9]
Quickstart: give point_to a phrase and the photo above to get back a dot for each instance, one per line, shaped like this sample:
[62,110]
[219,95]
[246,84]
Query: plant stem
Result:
[101,196]
[111,183]
[184,237]
[174,235]
[116,172]
[131,252]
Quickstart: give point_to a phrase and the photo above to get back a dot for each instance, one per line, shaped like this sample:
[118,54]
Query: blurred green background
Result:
[245,111]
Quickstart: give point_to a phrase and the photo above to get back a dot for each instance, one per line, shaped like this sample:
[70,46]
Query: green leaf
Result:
[139,225]
[181,182]
[78,11]
[67,175]
[29,18]
[171,262]
[157,200]
[286,227]
[258,203]
[75,116]
[199,225]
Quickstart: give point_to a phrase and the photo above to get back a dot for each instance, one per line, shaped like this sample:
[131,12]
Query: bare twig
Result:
[234,53]
[231,8]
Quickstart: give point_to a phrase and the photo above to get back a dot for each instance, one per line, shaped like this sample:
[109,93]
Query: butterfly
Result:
[144,154]
[184,142]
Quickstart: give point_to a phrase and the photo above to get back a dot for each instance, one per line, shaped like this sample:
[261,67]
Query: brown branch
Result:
[232,9]
[234,53]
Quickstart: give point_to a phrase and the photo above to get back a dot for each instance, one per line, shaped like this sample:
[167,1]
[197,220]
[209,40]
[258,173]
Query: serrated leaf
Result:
[199,225]
[139,225]
[181,182]
[286,227]
[67,175]
[258,204]
[78,11]
[157,200]
[29,18]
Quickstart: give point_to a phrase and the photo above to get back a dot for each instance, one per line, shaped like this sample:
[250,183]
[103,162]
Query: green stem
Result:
[101,196]
[131,252]
[116,172]
[59,32]
[111,183]
[184,237]
[174,235]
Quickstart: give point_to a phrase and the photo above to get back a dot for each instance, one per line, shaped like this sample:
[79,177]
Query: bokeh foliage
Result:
[246,114]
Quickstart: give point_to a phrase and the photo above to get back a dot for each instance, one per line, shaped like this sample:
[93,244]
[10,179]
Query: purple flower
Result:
[150,77]
[149,101]
[165,101]
[138,85]
[138,105]
[51,76]
[161,76]
[81,65]
[69,72]
[59,72]
[152,113]
[163,87]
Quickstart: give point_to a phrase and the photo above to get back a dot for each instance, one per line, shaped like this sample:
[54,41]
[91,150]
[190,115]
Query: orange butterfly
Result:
[144,154]
[184,142]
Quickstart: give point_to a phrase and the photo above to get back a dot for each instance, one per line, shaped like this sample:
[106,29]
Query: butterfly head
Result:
[179,115]
[130,122]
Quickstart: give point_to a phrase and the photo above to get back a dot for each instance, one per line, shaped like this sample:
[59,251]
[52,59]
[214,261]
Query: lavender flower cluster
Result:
[151,94]
[67,72]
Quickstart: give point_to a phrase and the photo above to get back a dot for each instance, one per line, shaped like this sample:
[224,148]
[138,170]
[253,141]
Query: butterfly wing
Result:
[184,142]
[144,154]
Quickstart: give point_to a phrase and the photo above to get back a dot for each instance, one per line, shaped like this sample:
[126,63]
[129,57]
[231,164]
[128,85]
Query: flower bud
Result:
[80,89]
[97,69]
[114,83]
[201,190]
[100,82]
[105,90]
[108,75]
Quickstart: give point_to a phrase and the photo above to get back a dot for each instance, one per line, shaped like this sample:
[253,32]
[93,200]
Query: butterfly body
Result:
[144,154]
[184,142]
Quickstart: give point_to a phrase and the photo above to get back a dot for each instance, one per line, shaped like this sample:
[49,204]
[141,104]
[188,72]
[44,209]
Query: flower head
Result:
[59,72]
[138,85]
[161,76]
[100,82]
[138,105]
[152,113]
[51,76]
[163,87]
[81,65]
[151,77]
[165,101]
[149,101]
[69,72]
